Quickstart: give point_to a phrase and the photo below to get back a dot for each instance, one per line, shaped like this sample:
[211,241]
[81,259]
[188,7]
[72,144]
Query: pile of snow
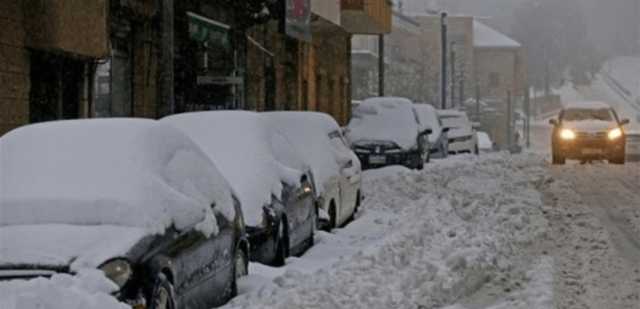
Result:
[424,239]
[253,157]
[87,289]
[384,120]
[119,172]
[310,133]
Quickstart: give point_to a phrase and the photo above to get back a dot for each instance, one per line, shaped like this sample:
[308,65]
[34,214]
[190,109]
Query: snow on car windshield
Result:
[584,114]
[385,120]
[121,172]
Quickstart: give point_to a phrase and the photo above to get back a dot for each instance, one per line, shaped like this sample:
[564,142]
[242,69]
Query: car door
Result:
[298,200]
[350,173]
[204,266]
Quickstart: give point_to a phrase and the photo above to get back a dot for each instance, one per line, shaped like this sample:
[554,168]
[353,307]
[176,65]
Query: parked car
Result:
[438,139]
[336,169]
[385,131]
[462,134]
[272,181]
[588,131]
[135,199]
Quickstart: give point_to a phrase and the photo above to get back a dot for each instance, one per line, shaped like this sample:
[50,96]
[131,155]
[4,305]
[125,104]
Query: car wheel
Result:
[619,159]
[162,295]
[557,158]
[476,150]
[282,245]
[333,216]
[240,269]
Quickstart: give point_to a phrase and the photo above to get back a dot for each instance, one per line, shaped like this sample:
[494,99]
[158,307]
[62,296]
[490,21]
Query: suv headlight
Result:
[567,134]
[119,271]
[615,134]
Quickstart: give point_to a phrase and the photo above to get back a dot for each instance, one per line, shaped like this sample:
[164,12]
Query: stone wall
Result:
[14,67]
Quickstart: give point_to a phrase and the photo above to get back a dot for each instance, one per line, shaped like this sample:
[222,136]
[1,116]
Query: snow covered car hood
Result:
[65,246]
[592,126]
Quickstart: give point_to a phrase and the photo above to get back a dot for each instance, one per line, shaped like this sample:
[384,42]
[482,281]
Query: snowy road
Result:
[594,213]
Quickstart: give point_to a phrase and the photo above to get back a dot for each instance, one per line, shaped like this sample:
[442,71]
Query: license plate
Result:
[377,160]
[591,151]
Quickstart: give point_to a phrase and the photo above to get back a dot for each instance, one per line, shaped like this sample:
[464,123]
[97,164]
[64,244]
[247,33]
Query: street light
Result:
[443,82]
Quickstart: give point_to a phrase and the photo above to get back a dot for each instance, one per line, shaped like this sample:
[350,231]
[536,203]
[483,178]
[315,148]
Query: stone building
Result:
[68,59]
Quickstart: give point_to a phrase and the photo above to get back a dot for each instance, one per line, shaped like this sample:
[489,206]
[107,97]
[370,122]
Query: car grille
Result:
[591,136]
[25,274]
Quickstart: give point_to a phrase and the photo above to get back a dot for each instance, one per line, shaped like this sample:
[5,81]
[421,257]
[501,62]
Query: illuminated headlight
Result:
[615,134]
[118,271]
[567,134]
[306,189]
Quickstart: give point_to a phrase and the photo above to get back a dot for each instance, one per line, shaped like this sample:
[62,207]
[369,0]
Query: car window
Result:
[577,114]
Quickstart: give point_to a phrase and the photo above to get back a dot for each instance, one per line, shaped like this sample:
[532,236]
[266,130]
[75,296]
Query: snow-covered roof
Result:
[120,172]
[250,154]
[586,105]
[487,37]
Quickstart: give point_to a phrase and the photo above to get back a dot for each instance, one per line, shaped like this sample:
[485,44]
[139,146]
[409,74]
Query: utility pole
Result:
[527,106]
[166,65]
[453,74]
[477,102]
[443,69]
[509,121]
[381,82]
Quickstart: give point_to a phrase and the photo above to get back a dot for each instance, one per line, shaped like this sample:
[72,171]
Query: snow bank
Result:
[424,239]
[87,289]
[309,133]
[385,120]
[244,147]
[120,172]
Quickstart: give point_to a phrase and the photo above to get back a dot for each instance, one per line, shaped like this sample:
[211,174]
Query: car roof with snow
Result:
[385,120]
[119,172]
[586,105]
[310,133]
[255,158]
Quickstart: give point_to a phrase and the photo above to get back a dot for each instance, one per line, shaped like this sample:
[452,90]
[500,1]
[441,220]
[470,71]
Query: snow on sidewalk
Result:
[425,239]
[88,289]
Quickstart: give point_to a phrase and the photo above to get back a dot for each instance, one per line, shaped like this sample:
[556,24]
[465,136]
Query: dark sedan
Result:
[135,199]
[273,184]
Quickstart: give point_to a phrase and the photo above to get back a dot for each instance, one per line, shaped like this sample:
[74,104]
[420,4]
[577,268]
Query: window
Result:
[494,80]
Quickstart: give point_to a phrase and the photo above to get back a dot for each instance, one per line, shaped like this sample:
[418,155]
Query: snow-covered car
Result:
[462,134]
[336,169]
[633,145]
[271,179]
[485,144]
[438,139]
[385,131]
[588,131]
[135,199]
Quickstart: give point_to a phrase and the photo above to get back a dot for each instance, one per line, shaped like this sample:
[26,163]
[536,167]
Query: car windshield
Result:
[576,114]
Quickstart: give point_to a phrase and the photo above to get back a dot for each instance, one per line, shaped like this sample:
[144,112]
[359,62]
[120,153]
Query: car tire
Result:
[281,244]
[333,216]
[240,269]
[162,295]
[618,159]
[476,150]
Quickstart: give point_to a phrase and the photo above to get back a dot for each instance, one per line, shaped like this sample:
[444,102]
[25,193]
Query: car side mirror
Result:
[446,130]
[625,122]
[553,122]
[427,132]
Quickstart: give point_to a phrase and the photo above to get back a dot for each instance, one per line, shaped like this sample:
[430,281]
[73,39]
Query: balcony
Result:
[367,17]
